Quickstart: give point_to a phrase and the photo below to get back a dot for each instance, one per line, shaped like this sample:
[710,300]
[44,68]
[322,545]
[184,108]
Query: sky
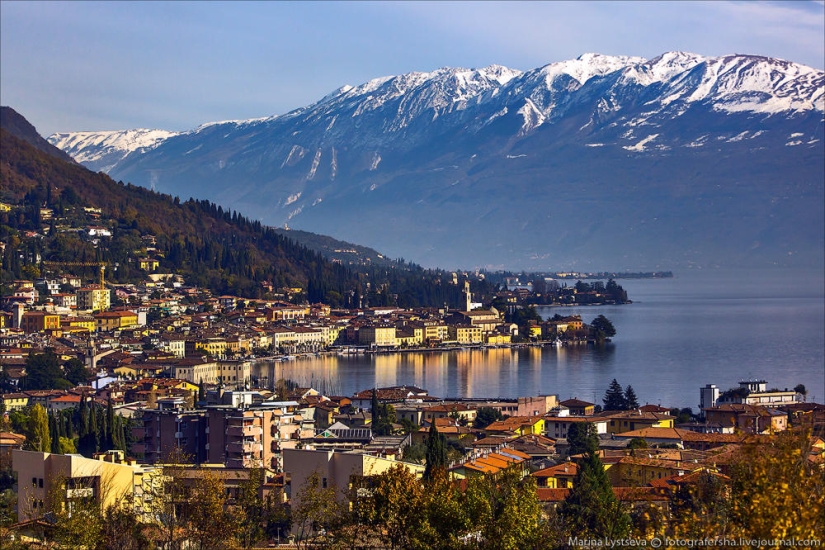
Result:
[77,66]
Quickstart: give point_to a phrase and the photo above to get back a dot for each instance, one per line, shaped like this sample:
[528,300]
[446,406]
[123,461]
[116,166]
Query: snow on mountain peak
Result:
[589,65]
[92,147]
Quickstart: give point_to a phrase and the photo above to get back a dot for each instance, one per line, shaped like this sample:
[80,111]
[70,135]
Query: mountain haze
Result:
[598,162]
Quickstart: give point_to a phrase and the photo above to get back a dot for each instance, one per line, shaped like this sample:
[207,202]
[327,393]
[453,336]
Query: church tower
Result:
[468,298]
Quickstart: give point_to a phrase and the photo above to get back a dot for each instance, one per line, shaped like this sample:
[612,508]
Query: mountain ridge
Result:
[453,138]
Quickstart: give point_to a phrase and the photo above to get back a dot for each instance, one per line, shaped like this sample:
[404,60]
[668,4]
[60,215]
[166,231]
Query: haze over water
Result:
[703,326]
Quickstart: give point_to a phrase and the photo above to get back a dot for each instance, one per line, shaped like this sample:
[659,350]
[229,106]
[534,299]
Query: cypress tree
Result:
[54,430]
[38,437]
[109,436]
[436,454]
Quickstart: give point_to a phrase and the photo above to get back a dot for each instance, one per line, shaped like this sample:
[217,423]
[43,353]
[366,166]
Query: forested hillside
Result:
[52,203]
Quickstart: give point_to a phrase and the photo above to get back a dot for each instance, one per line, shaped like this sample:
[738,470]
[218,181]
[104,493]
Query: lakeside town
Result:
[137,408]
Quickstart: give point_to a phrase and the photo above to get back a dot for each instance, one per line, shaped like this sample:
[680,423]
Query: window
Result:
[40,482]
[34,481]
[324,483]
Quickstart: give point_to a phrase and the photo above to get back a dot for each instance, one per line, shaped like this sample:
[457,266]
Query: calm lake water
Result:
[679,334]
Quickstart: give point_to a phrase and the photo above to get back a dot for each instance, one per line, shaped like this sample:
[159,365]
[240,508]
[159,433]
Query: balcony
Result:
[244,447]
[244,431]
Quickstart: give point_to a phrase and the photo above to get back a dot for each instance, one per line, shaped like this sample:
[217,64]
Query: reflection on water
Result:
[496,372]
[678,335]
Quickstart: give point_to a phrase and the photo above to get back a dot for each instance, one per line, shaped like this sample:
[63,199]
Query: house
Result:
[148,264]
[752,419]
[492,464]
[577,407]
[462,411]
[556,427]
[560,476]
[115,320]
[517,426]
[15,401]
[623,421]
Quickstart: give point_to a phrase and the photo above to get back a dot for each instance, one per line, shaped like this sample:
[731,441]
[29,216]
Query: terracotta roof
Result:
[563,469]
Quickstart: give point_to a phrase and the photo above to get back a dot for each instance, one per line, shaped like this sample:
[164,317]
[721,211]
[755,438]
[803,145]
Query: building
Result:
[708,396]
[195,370]
[577,407]
[108,478]
[93,298]
[751,419]
[106,321]
[755,392]
[39,321]
[556,427]
[537,406]
[255,436]
[560,476]
[626,421]
[171,430]
[338,470]
[381,336]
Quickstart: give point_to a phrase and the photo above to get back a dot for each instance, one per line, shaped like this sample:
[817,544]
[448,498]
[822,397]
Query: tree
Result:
[37,432]
[121,530]
[486,416]
[637,443]
[436,456]
[415,452]
[76,372]
[206,522]
[382,416]
[43,372]
[631,402]
[315,509]
[614,398]
[801,390]
[582,438]
[603,327]
[505,511]
[591,508]
[393,508]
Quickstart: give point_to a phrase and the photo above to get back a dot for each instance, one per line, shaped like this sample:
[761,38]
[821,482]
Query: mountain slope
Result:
[215,249]
[15,123]
[591,162]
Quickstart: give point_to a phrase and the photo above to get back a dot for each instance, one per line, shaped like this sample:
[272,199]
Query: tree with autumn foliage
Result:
[775,492]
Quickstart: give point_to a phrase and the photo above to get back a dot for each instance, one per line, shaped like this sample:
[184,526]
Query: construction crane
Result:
[100,265]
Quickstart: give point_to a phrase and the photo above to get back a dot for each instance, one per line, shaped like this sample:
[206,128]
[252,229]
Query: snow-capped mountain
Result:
[453,150]
[100,151]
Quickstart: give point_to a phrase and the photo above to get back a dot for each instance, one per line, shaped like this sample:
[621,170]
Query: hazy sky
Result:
[71,66]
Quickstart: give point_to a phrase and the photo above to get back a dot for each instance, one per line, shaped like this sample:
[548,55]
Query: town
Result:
[135,408]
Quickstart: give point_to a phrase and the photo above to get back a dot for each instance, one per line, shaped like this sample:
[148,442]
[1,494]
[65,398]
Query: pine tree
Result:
[631,402]
[591,508]
[436,454]
[582,438]
[614,398]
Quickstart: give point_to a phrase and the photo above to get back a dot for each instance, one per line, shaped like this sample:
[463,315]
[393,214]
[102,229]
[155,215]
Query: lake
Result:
[700,327]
